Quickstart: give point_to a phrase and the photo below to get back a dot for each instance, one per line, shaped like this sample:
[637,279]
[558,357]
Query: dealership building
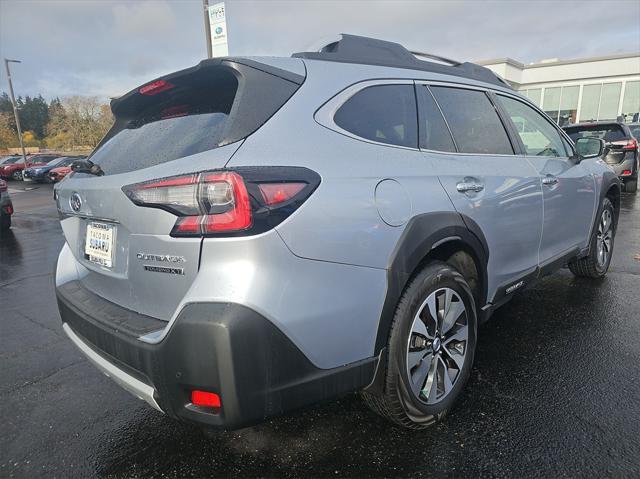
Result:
[569,91]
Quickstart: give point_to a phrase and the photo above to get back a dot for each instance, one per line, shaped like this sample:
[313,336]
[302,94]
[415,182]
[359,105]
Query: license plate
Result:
[98,247]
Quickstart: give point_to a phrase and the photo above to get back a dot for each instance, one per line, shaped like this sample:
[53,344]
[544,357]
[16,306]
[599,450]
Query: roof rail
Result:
[438,58]
[371,51]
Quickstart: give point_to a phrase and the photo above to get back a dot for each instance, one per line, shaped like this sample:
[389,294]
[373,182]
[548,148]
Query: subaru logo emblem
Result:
[75,202]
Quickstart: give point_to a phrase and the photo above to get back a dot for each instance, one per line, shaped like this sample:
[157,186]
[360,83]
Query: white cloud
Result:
[143,18]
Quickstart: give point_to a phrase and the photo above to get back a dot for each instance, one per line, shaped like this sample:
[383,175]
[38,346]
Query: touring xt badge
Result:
[162,258]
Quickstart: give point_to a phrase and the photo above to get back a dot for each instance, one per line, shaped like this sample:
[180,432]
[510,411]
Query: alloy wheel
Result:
[437,345]
[604,238]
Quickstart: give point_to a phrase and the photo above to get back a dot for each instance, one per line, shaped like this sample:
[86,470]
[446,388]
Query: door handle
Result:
[549,180]
[463,187]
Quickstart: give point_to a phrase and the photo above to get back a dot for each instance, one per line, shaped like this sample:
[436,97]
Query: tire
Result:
[5,222]
[594,265]
[403,400]
[17,175]
[631,186]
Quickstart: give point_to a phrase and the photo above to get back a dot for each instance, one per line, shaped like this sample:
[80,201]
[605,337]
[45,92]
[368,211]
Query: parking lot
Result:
[554,390]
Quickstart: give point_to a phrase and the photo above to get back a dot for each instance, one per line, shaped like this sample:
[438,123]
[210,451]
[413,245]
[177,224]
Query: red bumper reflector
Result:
[205,399]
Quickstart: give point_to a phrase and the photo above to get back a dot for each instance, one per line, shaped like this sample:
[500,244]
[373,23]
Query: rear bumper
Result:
[134,386]
[626,165]
[223,348]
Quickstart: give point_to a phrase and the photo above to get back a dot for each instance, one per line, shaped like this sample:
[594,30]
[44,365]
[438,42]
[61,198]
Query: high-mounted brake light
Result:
[156,87]
[243,201]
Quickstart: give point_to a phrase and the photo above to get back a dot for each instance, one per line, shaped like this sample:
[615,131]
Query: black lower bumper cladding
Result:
[223,348]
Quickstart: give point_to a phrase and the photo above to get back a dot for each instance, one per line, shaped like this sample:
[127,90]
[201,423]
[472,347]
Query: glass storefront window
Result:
[569,105]
[535,95]
[609,101]
[551,102]
[590,102]
[599,101]
[631,100]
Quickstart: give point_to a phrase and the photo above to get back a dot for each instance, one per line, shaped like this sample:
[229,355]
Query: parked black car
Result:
[41,173]
[622,151]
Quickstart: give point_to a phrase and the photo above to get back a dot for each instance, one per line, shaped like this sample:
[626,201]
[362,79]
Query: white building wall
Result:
[546,82]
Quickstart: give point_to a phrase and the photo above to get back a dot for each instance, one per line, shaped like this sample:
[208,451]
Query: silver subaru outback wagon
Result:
[255,235]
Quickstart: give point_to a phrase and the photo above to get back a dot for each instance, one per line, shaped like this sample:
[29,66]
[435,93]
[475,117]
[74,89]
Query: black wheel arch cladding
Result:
[422,234]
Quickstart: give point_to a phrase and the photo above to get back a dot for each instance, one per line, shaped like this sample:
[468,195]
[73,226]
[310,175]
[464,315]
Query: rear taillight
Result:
[274,193]
[235,202]
[631,145]
[627,145]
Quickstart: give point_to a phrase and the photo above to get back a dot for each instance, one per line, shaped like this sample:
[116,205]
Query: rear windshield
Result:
[198,111]
[608,133]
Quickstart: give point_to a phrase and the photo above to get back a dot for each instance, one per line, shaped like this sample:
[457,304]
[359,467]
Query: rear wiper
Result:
[86,166]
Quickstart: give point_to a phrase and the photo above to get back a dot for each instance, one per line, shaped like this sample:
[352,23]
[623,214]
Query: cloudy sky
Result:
[104,48]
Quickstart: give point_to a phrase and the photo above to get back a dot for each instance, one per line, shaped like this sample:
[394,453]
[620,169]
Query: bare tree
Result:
[78,122]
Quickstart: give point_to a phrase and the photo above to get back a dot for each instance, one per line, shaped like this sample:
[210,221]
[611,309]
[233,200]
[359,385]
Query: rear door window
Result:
[538,135]
[381,113]
[433,131]
[473,120]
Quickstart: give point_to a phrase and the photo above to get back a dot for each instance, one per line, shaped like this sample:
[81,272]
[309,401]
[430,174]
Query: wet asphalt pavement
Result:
[555,390]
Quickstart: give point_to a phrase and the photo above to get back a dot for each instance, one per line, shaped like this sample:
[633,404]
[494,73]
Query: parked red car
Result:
[59,173]
[13,170]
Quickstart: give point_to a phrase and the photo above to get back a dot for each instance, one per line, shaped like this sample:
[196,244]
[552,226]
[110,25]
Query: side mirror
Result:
[589,148]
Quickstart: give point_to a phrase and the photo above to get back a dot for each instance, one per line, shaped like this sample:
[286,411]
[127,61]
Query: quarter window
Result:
[382,113]
[540,138]
[473,120]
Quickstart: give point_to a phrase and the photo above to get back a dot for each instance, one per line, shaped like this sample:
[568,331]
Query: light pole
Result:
[15,107]
[207,28]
